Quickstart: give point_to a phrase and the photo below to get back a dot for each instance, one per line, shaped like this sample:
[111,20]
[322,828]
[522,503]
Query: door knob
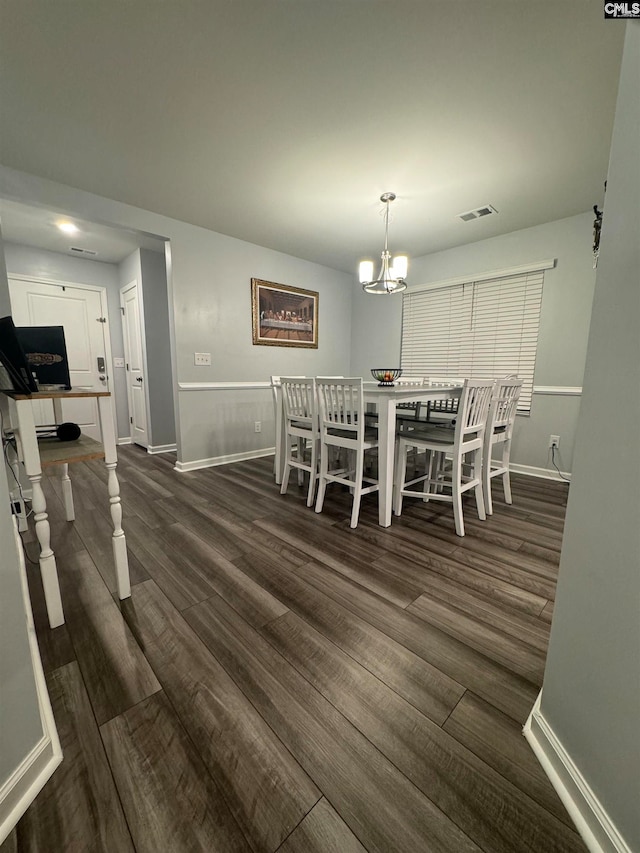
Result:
[102,377]
[138,378]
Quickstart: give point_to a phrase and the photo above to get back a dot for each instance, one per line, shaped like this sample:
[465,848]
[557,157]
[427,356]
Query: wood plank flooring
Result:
[280,683]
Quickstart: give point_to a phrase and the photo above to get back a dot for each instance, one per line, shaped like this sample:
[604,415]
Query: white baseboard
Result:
[162,448]
[545,473]
[213,461]
[27,780]
[592,821]
[124,440]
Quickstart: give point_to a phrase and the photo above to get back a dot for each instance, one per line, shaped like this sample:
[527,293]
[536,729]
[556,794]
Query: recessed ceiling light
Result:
[68,227]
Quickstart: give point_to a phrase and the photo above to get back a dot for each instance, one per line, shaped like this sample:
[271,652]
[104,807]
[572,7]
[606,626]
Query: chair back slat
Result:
[474,403]
[504,404]
[340,404]
[299,400]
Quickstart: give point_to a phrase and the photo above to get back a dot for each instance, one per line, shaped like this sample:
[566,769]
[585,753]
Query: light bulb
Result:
[68,227]
[366,271]
[400,265]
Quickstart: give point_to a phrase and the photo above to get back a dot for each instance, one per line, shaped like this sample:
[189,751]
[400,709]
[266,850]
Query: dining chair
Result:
[406,413]
[446,409]
[275,387]
[300,422]
[342,427]
[500,421]
[448,483]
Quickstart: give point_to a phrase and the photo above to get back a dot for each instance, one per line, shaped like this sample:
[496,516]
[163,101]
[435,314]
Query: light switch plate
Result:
[118,362]
[202,358]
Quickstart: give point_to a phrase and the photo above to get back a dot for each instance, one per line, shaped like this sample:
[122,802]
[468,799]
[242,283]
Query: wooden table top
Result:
[50,395]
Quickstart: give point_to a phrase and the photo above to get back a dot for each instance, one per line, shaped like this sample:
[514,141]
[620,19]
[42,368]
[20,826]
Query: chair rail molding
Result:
[224,386]
[586,811]
[559,390]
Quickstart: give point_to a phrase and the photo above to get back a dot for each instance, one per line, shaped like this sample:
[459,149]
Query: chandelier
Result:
[391,279]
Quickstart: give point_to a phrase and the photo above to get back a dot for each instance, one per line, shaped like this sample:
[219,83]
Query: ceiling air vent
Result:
[485,210]
[77,251]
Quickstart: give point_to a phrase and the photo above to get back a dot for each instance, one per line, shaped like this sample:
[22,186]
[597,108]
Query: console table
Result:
[36,454]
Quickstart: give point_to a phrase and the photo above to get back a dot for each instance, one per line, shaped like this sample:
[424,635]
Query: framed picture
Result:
[283,316]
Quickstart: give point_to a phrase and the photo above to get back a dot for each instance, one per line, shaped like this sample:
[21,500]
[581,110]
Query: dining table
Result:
[384,398]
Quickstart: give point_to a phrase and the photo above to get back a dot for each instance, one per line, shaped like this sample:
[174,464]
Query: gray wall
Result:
[591,691]
[39,263]
[564,322]
[210,294]
[20,724]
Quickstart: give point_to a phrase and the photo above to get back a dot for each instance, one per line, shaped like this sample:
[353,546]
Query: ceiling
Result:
[281,122]
[38,226]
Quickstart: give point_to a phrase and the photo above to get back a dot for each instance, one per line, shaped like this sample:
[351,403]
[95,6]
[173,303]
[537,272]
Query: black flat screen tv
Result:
[46,352]
[16,374]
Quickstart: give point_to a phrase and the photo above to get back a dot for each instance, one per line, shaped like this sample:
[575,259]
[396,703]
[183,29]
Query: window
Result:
[480,328]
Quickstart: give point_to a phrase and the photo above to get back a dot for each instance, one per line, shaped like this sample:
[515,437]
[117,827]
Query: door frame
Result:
[106,328]
[143,343]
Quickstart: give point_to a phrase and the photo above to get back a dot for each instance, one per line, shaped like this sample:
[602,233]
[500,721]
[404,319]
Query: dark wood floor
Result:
[279,682]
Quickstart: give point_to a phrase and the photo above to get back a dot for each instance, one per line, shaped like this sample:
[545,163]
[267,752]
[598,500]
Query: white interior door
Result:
[82,313]
[132,333]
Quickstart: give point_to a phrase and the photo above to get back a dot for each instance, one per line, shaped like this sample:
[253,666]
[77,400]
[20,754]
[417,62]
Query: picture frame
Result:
[283,316]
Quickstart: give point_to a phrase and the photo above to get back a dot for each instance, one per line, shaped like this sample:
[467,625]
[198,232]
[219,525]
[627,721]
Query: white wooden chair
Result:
[406,413]
[277,413]
[342,426]
[448,484]
[300,422]
[442,410]
[500,421]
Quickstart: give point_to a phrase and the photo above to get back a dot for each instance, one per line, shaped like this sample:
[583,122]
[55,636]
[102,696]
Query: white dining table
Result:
[385,399]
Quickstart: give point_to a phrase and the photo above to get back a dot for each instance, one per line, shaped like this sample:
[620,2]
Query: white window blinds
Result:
[478,330]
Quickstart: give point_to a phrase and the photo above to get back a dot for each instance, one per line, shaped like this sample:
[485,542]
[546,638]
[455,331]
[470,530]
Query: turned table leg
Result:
[118,539]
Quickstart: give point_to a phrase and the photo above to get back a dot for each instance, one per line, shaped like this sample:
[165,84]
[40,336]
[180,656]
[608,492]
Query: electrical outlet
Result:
[554,441]
[202,358]
[258,426]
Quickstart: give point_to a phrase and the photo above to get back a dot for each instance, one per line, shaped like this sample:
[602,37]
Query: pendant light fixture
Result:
[391,279]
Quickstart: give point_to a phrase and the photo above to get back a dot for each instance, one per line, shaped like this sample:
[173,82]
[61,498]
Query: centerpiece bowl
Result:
[386,376]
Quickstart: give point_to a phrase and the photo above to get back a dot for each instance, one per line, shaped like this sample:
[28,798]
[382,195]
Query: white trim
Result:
[544,473]
[214,461]
[162,448]
[523,269]
[124,321]
[58,281]
[124,440]
[28,779]
[223,386]
[561,390]
[593,823]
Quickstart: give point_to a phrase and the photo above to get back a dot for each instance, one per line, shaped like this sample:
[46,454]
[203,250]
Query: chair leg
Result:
[285,475]
[456,494]
[357,492]
[506,480]
[400,469]
[486,482]
[432,467]
[477,473]
[300,458]
[313,474]
[322,481]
